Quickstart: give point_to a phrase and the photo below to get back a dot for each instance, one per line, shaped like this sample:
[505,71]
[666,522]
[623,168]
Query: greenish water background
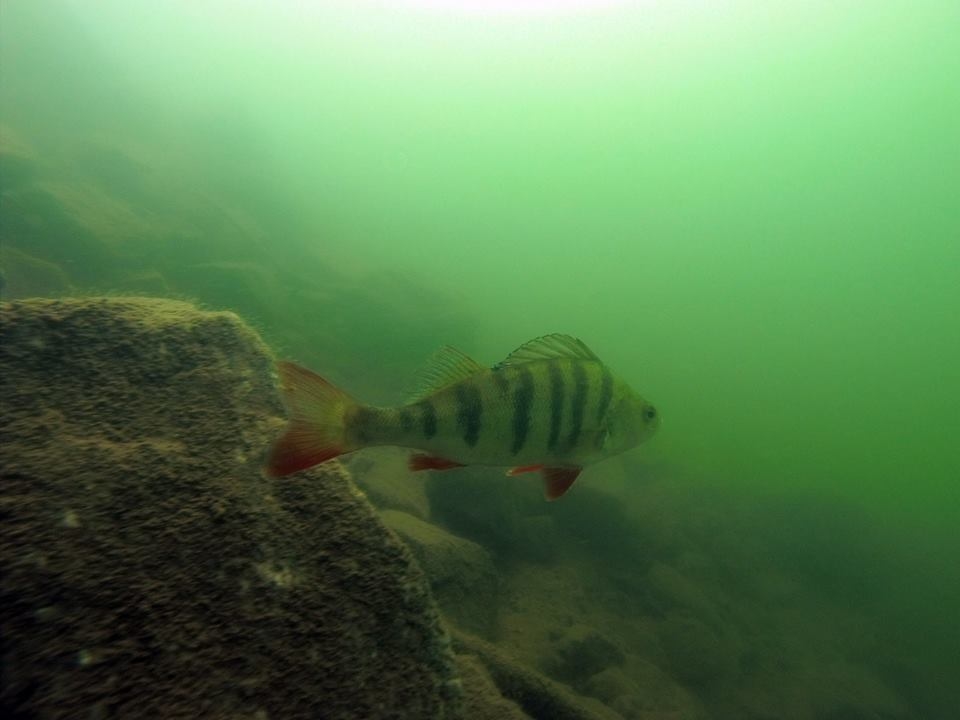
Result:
[749,209]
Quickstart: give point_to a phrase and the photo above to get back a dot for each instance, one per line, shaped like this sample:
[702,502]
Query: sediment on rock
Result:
[537,695]
[150,570]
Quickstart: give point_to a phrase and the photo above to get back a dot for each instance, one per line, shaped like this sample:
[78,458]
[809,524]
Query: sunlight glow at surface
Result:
[511,7]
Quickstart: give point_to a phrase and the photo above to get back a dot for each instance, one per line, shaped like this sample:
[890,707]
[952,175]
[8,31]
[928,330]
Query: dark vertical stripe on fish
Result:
[606,393]
[364,423]
[428,418]
[556,403]
[406,420]
[469,411]
[579,402]
[522,402]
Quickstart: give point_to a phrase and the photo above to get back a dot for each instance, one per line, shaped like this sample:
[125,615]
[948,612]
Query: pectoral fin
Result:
[557,480]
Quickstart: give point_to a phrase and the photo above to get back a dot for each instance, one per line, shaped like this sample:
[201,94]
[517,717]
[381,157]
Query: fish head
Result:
[630,421]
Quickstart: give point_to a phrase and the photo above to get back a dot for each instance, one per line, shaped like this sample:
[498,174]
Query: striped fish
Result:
[551,406]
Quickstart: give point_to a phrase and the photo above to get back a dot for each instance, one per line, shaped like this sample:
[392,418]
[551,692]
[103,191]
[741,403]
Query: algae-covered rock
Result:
[482,700]
[381,472]
[675,590]
[536,694]
[22,275]
[461,572]
[695,652]
[17,159]
[489,508]
[149,570]
[643,691]
[609,684]
[581,653]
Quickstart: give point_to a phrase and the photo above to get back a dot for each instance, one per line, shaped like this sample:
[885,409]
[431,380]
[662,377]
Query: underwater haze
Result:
[749,210]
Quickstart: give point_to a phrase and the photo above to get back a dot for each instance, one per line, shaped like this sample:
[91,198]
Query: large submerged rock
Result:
[461,573]
[149,570]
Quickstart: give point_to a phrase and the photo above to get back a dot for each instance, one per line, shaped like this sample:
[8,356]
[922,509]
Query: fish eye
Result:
[649,412]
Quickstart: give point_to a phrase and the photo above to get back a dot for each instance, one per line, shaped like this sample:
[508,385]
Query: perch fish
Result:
[551,406]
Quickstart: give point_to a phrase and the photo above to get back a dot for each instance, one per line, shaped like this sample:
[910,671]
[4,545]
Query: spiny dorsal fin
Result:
[446,367]
[549,347]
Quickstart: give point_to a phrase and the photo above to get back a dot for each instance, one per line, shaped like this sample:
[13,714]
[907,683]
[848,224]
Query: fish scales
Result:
[545,410]
[551,405]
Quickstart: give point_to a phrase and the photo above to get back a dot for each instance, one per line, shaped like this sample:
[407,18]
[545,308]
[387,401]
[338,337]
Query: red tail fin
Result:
[315,432]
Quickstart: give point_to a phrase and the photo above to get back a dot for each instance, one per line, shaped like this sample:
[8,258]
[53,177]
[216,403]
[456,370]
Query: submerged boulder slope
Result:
[149,570]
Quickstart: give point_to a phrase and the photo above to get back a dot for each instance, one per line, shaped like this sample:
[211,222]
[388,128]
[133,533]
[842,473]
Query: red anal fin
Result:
[420,461]
[557,480]
[524,469]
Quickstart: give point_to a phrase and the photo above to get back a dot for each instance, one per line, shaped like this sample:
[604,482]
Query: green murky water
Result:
[749,210]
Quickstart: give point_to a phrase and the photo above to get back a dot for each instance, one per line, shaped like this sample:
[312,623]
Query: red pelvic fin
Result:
[421,461]
[523,469]
[557,480]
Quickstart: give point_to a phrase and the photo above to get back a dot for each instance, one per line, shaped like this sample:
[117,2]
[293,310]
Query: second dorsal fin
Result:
[548,347]
[444,368]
